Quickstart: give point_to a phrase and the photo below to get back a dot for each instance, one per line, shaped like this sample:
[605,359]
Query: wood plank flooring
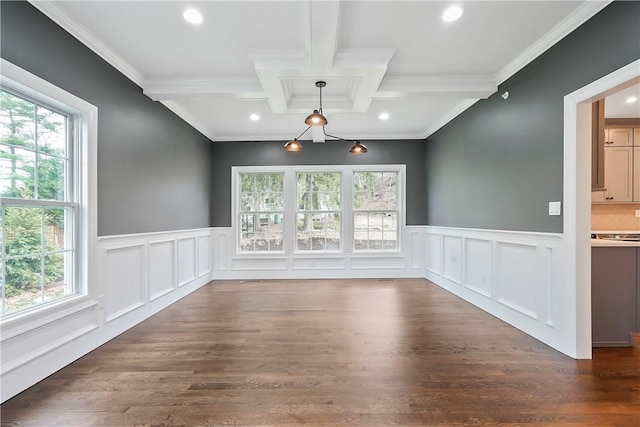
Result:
[331,352]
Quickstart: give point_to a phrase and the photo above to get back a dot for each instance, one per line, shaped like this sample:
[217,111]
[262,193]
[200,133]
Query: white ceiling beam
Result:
[179,88]
[479,87]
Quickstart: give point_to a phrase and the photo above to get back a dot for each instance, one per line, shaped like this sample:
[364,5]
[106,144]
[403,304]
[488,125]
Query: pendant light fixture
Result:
[317,118]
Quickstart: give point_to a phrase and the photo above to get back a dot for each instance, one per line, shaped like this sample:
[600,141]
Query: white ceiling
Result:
[263,57]
[617,105]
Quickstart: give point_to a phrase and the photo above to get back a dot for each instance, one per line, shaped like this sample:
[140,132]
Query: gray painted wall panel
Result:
[272,153]
[498,164]
[153,168]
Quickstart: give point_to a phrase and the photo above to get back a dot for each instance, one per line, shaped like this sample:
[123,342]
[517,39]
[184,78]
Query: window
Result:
[375,210]
[37,203]
[47,199]
[318,209]
[261,212]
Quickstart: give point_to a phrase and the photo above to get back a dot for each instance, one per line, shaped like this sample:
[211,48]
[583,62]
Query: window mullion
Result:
[290,214]
[346,205]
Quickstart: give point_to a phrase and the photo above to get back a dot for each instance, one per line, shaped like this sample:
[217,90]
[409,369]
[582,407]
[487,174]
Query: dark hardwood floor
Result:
[331,352]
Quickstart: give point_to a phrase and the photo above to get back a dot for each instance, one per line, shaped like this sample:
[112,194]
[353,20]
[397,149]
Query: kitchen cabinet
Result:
[636,174]
[618,137]
[614,300]
[618,174]
[636,137]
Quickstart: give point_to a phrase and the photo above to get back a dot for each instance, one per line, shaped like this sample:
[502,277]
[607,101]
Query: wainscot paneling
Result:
[162,268]
[434,253]
[124,279]
[516,276]
[452,250]
[477,273]
[229,264]
[187,260]
[132,278]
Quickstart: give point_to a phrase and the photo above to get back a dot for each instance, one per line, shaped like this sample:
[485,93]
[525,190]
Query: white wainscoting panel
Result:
[477,266]
[187,260]
[319,263]
[452,254]
[204,255]
[516,276]
[162,268]
[434,252]
[124,279]
[133,277]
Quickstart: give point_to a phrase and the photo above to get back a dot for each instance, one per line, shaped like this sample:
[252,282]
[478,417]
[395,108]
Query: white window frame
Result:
[83,169]
[290,198]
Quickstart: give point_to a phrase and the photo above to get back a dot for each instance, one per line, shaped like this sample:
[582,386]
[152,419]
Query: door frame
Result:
[577,194]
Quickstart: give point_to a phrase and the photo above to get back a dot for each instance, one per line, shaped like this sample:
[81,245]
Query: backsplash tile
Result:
[614,217]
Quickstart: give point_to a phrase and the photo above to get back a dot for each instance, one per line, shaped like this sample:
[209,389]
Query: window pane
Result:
[17,172]
[390,230]
[52,132]
[23,231]
[319,231]
[17,124]
[54,229]
[55,284]
[262,232]
[375,190]
[22,283]
[50,178]
[361,230]
[318,191]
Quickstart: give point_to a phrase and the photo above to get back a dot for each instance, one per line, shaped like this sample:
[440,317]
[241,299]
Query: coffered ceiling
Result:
[264,57]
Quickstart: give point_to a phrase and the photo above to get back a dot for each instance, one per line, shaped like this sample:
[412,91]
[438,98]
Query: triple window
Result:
[318,209]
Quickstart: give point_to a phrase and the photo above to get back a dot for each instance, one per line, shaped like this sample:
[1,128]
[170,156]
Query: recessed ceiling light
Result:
[254,117]
[632,99]
[192,16]
[452,13]
[383,116]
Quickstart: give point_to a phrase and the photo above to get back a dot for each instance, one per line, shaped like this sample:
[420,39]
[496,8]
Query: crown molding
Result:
[80,32]
[307,138]
[446,118]
[582,14]
[187,117]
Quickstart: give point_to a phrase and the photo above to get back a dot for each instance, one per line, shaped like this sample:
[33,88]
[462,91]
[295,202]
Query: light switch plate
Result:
[554,208]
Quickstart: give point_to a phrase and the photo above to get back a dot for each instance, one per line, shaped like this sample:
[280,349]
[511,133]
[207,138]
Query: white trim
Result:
[577,198]
[58,15]
[85,161]
[581,15]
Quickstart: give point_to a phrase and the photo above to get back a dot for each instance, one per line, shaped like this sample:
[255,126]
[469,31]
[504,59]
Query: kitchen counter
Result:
[604,243]
[601,243]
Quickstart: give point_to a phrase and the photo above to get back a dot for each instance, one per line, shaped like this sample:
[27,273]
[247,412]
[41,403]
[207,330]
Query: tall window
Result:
[38,203]
[375,210]
[261,212]
[318,211]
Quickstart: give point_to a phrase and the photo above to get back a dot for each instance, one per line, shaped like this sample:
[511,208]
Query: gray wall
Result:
[228,154]
[153,168]
[499,164]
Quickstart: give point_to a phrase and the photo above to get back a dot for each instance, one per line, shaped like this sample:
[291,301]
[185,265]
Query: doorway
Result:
[577,192]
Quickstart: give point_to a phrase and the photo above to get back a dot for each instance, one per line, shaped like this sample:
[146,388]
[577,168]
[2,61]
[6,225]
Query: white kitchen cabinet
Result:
[618,174]
[636,173]
[618,137]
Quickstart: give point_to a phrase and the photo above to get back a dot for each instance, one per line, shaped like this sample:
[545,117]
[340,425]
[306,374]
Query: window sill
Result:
[14,326]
